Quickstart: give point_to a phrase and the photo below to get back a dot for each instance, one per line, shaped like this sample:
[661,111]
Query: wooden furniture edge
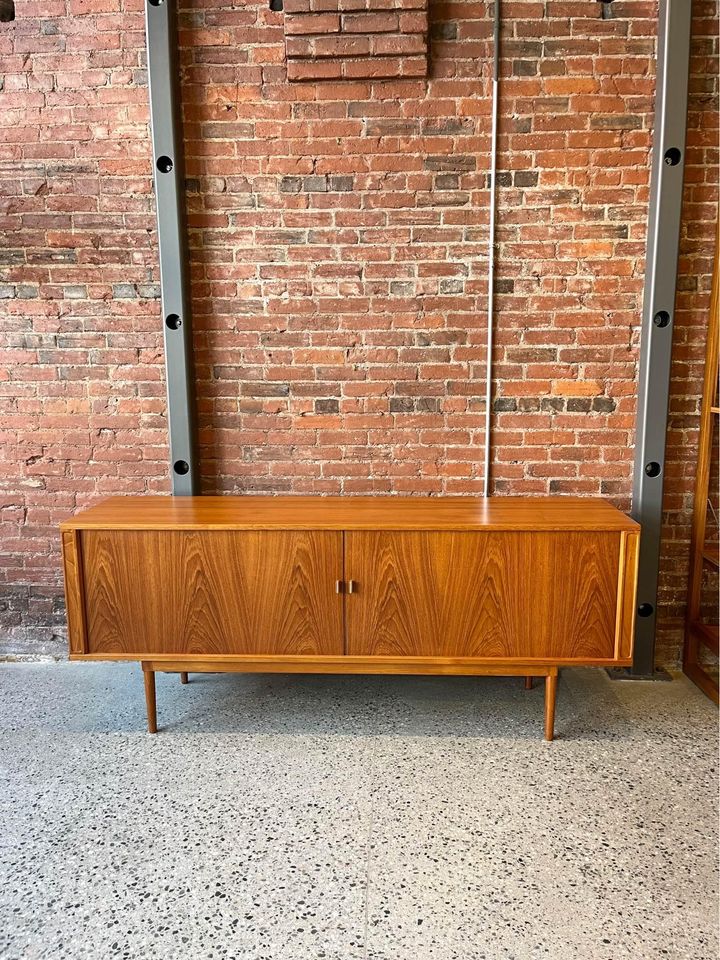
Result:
[74,592]
[627,599]
[411,517]
[703,680]
[175,663]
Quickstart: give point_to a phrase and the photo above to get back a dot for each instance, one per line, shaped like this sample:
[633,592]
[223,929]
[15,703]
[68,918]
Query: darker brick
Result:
[599,121]
[402,405]
[451,127]
[327,406]
[341,184]
[456,162]
[525,68]
[314,184]
[291,184]
[447,181]
[447,287]
[447,30]
[264,389]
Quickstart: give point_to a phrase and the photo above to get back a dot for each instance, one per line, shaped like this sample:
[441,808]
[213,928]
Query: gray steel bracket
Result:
[666,192]
[169,198]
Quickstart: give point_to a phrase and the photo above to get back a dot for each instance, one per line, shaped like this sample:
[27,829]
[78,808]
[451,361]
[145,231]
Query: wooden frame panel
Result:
[510,596]
[74,592]
[285,663]
[627,597]
[226,592]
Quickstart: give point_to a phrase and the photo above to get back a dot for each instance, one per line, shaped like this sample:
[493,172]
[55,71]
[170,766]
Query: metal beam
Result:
[169,198]
[666,190]
[497,14]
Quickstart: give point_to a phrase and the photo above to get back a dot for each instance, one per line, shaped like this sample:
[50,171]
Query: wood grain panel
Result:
[215,592]
[509,595]
[352,513]
[628,599]
[74,600]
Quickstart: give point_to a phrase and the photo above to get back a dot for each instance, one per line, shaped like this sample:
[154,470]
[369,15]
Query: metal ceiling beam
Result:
[169,198]
[666,192]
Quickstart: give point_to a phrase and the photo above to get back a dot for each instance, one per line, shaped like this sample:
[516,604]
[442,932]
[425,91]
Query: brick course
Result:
[355,39]
[338,237]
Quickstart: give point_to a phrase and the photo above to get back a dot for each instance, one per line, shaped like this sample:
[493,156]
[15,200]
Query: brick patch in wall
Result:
[355,39]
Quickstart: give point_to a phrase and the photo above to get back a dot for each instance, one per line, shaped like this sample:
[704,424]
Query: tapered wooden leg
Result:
[149,678]
[550,691]
[184,678]
[528,683]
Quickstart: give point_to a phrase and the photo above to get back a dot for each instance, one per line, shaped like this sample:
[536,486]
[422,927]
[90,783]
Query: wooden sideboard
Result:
[461,585]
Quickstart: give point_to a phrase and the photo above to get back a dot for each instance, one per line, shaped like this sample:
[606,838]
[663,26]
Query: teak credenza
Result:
[458,585]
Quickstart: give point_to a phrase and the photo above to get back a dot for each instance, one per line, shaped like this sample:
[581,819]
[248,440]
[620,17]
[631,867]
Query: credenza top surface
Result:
[350,513]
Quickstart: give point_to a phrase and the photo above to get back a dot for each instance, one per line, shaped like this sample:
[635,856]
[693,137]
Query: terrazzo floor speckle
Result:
[354,818]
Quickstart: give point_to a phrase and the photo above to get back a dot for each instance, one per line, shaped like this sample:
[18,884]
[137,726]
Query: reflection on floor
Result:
[383,818]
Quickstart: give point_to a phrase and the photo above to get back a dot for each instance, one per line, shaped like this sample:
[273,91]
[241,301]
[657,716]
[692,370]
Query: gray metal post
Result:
[666,189]
[168,173]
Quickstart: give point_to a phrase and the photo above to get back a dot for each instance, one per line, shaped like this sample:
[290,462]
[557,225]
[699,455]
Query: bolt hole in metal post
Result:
[672,157]
[173,321]
[653,469]
[181,466]
[661,318]
[646,610]
[164,164]
[156,3]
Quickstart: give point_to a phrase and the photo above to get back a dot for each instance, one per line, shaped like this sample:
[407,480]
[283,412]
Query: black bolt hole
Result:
[7,11]
[173,321]
[164,164]
[182,467]
[672,157]
[276,5]
[156,3]
[646,610]
[652,469]
[661,318]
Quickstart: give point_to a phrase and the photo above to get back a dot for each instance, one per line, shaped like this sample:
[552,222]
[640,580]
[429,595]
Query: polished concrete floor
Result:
[304,818]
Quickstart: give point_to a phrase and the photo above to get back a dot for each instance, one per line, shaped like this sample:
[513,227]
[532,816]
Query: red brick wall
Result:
[338,238]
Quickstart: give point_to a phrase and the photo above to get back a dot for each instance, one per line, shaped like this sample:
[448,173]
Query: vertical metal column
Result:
[168,174]
[666,190]
[491,242]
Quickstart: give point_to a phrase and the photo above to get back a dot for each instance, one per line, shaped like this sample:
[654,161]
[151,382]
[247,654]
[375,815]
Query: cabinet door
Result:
[505,595]
[213,592]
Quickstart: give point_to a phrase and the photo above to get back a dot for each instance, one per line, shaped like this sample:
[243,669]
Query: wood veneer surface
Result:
[219,592]
[352,513]
[508,595]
